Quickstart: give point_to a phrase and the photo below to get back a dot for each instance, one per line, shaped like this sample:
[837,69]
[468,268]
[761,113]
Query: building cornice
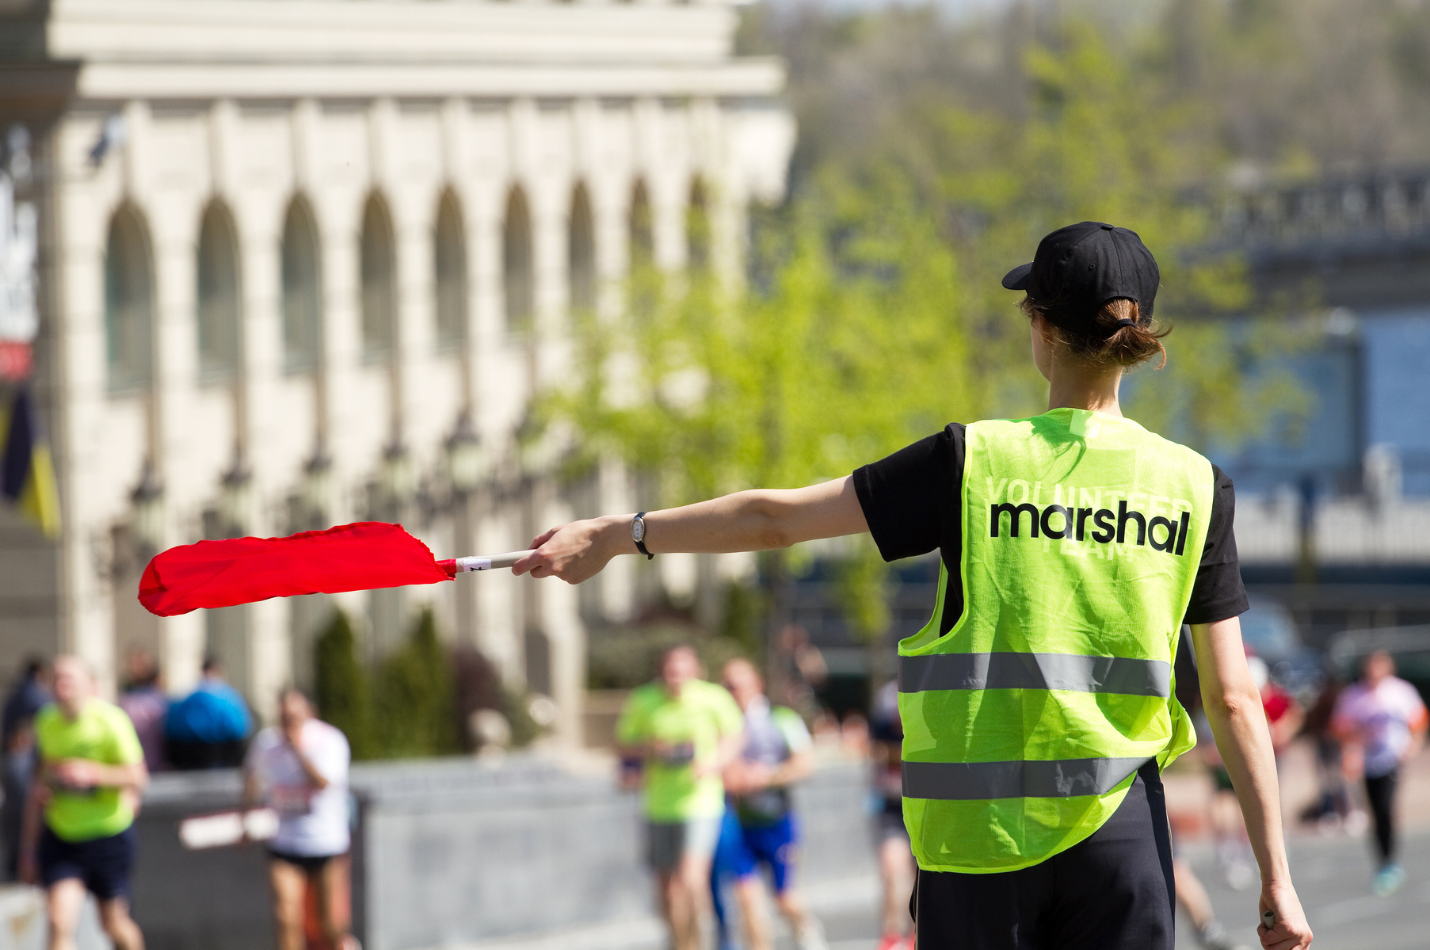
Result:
[748,78]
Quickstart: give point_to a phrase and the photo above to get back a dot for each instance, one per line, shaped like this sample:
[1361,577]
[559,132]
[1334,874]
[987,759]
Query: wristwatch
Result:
[638,534]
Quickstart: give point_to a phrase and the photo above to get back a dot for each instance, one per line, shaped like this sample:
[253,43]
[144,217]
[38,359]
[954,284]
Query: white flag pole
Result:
[489,562]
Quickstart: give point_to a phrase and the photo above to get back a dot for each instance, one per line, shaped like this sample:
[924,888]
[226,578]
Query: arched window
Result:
[642,229]
[128,303]
[581,253]
[518,281]
[302,290]
[218,313]
[697,229]
[379,284]
[449,255]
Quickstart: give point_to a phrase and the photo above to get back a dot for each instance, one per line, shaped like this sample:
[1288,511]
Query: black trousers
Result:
[1380,794]
[1112,891]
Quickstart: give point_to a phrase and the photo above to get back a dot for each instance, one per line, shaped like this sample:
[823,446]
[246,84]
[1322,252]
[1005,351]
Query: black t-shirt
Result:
[912,501]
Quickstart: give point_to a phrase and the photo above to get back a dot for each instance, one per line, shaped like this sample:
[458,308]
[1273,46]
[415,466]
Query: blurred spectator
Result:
[1284,715]
[300,769]
[854,735]
[79,818]
[206,729]
[802,670]
[146,705]
[826,731]
[1385,717]
[17,740]
[896,858]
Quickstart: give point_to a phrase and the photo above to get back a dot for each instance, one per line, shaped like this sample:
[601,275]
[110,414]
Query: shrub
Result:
[414,698]
[341,686]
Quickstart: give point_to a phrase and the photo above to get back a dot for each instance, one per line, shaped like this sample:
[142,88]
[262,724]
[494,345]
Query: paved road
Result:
[1332,876]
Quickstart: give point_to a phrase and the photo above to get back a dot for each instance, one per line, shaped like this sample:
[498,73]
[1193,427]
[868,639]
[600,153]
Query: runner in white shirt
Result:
[1385,717]
[300,769]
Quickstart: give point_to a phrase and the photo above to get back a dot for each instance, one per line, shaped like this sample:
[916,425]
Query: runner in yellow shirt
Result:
[90,774]
[681,732]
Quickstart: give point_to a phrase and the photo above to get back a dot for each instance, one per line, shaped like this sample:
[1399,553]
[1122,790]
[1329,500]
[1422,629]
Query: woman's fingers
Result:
[543,538]
[528,563]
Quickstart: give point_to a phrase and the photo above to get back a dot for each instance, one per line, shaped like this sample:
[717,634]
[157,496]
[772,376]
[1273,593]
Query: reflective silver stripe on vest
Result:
[1085,674]
[977,781]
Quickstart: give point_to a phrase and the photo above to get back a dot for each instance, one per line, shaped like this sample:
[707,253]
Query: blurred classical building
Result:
[305,263]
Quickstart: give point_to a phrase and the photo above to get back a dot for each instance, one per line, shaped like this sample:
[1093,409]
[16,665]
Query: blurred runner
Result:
[1333,809]
[760,827]
[300,769]
[681,733]
[896,858]
[1386,718]
[17,744]
[1194,900]
[90,775]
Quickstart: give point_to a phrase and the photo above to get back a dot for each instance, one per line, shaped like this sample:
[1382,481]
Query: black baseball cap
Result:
[1081,267]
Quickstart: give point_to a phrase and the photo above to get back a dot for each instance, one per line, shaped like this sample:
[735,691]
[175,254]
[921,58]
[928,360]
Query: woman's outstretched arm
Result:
[758,520]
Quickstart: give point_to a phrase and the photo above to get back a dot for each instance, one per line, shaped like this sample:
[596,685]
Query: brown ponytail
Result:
[1119,336]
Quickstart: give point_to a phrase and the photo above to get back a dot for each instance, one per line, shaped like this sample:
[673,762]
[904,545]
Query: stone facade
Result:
[294,253]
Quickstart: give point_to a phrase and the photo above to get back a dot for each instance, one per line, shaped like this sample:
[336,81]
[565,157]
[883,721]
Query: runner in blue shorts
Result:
[760,828]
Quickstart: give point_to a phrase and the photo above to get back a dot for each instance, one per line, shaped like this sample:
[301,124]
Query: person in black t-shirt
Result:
[1090,293]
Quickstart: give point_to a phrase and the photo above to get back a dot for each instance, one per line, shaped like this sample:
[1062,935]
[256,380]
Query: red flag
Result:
[360,556]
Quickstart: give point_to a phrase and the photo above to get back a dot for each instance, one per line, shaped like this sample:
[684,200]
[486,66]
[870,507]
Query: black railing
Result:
[1373,207]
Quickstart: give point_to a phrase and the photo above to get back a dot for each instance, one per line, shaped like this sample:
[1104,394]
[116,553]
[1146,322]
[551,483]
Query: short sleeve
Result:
[332,756]
[124,746]
[634,727]
[910,499]
[795,732]
[728,716]
[1218,593]
[1415,712]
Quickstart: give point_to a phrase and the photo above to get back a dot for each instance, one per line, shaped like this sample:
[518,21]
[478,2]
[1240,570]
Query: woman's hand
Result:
[1291,931]
[576,551]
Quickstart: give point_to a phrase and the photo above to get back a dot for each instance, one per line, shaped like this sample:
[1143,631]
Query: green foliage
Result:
[863,591]
[741,621]
[407,708]
[413,698]
[516,707]
[341,686]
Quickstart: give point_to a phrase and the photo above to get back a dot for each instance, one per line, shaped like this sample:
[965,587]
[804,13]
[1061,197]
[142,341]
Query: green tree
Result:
[414,698]
[341,686]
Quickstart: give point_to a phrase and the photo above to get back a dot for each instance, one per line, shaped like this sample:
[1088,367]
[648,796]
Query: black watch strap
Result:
[640,544]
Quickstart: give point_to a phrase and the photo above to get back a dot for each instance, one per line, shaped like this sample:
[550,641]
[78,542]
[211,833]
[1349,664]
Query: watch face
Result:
[638,529]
